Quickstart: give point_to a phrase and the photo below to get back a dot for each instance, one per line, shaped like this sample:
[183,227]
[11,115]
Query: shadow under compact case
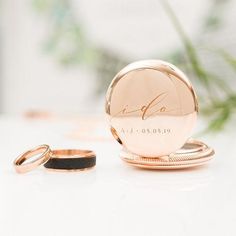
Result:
[152,109]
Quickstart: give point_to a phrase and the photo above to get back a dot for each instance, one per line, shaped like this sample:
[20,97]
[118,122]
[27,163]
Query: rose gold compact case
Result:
[152,109]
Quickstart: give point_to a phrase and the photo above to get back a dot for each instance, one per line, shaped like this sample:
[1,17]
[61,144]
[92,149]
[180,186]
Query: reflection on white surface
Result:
[200,177]
[112,199]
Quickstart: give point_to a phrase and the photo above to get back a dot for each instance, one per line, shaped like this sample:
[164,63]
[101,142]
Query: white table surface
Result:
[112,199]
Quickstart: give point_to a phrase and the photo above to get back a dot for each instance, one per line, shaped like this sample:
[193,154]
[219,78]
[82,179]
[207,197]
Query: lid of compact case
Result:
[152,108]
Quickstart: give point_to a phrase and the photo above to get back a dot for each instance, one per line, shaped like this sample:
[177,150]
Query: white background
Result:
[31,78]
[112,199]
[135,29]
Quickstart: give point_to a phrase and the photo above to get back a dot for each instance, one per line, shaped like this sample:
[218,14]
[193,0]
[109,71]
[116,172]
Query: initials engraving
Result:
[146,131]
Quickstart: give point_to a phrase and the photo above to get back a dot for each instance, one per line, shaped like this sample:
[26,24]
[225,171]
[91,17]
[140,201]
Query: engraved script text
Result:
[146,111]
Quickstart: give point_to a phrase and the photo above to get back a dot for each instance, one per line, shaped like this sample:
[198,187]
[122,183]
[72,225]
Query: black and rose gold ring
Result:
[57,160]
[71,160]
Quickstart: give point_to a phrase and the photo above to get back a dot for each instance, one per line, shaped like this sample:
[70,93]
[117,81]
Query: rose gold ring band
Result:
[22,167]
[62,159]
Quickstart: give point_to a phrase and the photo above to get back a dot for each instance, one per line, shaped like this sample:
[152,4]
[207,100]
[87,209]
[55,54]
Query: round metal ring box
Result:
[152,108]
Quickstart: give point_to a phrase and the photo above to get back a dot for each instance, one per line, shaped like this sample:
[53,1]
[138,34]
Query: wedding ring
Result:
[71,160]
[22,167]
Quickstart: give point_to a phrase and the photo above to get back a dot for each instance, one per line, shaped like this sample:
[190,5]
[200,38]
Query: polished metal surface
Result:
[151,107]
[193,153]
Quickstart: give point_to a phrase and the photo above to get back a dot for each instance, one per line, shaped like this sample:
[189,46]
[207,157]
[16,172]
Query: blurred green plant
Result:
[219,100]
[68,43]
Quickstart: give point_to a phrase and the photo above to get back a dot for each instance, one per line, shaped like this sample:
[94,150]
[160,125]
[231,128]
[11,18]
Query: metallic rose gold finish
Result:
[71,170]
[72,153]
[193,153]
[152,108]
[191,159]
[191,146]
[22,167]
[65,160]
[179,167]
